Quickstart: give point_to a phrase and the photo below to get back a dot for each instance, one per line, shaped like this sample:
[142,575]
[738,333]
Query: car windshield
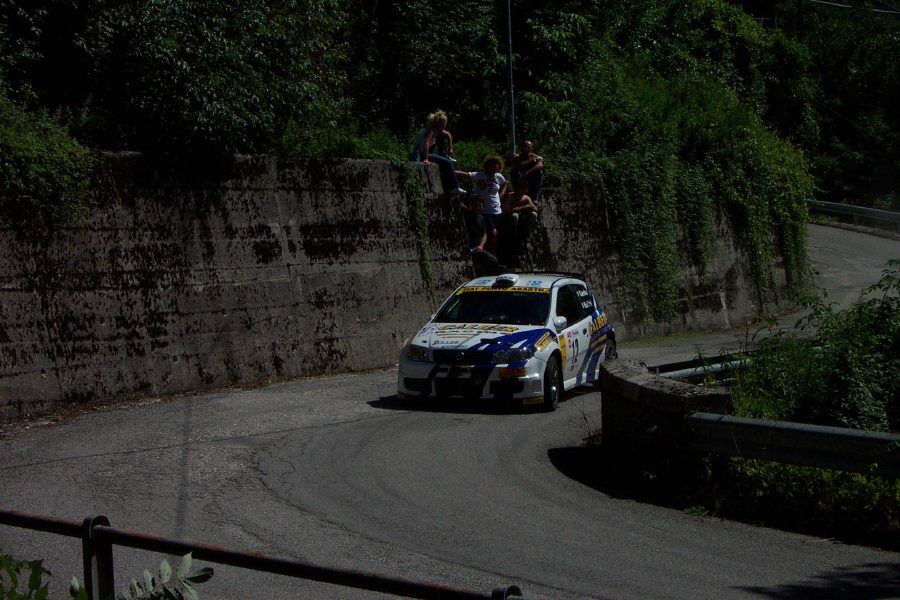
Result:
[501,306]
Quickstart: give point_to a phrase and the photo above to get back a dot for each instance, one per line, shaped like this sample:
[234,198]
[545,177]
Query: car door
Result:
[574,338]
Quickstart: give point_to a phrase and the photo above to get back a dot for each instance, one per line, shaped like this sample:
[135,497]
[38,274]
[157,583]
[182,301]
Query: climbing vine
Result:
[412,189]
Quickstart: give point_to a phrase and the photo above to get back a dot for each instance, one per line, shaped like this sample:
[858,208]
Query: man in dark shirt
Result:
[528,166]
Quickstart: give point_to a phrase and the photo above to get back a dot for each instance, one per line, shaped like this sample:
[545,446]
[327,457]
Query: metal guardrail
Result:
[698,369]
[797,443]
[859,214]
[98,539]
[837,448]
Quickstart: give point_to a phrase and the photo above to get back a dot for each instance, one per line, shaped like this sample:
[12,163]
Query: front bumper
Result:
[516,381]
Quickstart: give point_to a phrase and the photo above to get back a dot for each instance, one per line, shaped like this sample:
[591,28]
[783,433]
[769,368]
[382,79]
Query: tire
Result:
[553,385]
[612,351]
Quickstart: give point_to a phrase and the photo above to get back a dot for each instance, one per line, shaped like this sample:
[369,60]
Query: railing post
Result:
[87,556]
[506,593]
[97,556]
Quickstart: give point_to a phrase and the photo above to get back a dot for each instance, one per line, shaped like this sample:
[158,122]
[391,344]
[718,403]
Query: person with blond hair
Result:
[490,185]
[434,144]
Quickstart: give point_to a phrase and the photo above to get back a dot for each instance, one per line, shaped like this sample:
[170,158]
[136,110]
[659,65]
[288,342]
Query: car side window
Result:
[567,305]
[585,302]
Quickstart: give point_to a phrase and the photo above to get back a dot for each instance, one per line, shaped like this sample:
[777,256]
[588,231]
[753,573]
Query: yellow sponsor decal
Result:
[597,324]
[487,288]
[544,341]
[599,341]
[535,400]
[562,347]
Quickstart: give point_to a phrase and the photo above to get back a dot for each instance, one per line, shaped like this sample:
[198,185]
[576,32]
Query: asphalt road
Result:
[334,471]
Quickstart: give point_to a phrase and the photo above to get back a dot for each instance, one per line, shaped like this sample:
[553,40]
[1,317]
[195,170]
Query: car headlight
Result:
[418,353]
[512,355]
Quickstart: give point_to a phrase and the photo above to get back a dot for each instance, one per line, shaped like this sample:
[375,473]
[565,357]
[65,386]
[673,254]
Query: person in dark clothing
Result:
[483,261]
[519,221]
[528,166]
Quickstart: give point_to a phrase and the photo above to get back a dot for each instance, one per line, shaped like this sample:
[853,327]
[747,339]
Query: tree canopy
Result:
[683,112]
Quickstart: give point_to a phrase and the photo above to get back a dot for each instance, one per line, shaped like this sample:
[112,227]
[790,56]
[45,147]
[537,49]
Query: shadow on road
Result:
[590,466]
[873,580]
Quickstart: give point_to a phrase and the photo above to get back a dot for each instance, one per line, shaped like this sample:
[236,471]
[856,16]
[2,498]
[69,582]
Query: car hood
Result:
[478,336]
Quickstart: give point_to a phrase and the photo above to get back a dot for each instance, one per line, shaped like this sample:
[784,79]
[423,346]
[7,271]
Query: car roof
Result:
[534,280]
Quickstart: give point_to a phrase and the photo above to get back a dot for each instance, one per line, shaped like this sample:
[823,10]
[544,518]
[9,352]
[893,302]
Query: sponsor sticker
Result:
[467,327]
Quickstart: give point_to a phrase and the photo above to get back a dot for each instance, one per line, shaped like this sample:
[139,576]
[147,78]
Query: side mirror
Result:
[560,323]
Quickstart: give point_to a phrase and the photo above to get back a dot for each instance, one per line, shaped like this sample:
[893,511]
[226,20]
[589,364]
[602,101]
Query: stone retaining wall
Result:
[263,268]
[642,414]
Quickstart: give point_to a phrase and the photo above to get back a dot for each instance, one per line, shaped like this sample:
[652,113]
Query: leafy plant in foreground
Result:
[15,573]
[161,586]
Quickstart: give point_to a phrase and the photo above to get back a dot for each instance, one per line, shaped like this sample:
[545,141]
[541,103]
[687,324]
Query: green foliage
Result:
[415,56]
[845,377]
[414,192]
[470,154]
[22,580]
[44,173]
[161,586]
[346,142]
[678,151]
[672,107]
[184,76]
[857,156]
[832,503]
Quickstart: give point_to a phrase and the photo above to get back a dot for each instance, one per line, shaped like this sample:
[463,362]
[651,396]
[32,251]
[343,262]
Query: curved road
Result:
[334,471]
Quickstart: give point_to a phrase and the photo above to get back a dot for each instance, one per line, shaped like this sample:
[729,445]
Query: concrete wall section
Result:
[260,269]
[577,235]
[642,414]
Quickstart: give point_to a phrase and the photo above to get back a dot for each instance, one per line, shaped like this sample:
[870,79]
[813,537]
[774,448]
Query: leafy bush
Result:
[833,503]
[845,377]
[161,586]
[681,150]
[470,154]
[44,173]
[185,76]
[857,156]
[665,104]
[16,574]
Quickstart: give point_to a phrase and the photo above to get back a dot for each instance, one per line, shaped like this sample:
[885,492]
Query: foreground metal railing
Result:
[98,538]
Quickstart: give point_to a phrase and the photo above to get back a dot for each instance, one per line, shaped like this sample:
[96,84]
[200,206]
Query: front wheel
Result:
[553,387]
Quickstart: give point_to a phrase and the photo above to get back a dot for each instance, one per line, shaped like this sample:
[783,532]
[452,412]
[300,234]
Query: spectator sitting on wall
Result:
[528,166]
[519,221]
[434,144]
[483,261]
[490,185]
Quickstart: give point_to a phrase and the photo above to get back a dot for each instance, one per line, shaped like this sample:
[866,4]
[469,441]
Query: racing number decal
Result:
[573,347]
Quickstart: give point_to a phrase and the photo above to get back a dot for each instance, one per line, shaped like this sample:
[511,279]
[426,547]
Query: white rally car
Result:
[523,337]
